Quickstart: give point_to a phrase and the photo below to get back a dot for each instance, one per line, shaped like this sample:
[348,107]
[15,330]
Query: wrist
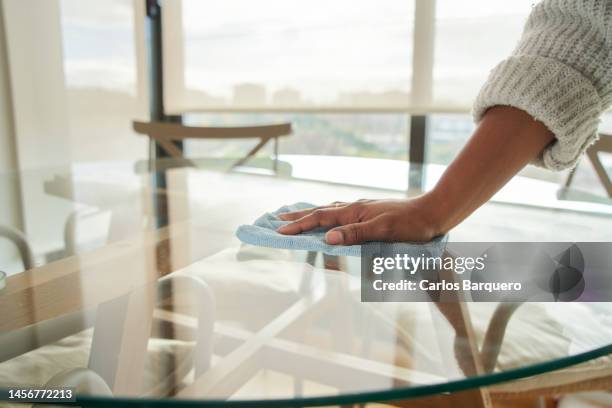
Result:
[435,213]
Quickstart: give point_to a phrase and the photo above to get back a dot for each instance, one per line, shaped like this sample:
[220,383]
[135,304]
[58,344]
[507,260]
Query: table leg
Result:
[452,305]
[119,344]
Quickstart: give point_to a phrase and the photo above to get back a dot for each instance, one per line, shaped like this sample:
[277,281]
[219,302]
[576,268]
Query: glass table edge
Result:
[349,398]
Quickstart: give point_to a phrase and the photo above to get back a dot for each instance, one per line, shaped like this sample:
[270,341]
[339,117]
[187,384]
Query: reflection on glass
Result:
[101,79]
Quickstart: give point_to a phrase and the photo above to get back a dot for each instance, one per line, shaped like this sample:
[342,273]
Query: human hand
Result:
[504,142]
[367,220]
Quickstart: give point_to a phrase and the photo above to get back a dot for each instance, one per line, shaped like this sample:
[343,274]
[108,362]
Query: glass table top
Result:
[136,289]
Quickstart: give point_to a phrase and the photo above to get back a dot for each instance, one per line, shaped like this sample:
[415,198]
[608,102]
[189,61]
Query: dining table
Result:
[125,285]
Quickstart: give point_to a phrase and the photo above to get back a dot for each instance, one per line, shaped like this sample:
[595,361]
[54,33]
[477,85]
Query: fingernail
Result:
[282,229]
[334,237]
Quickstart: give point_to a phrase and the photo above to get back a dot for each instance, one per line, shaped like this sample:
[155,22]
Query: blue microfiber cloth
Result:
[263,233]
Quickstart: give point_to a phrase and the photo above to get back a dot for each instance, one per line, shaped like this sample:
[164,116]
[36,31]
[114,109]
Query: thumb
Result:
[352,234]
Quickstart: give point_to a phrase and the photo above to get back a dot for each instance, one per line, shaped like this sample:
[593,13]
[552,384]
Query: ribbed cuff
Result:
[552,93]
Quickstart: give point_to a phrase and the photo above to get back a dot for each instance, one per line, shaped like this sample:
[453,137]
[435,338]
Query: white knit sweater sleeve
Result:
[560,73]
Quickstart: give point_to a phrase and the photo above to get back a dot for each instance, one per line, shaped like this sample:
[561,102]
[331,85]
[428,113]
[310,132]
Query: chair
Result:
[166,133]
[603,145]
[20,241]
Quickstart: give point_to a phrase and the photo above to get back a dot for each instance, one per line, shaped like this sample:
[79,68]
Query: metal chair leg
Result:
[20,241]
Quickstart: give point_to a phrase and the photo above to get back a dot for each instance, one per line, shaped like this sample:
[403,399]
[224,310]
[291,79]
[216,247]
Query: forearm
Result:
[560,72]
[566,91]
[505,141]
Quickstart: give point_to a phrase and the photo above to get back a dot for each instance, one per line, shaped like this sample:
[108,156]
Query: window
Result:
[278,54]
[103,90]
[471,37]
[381,135]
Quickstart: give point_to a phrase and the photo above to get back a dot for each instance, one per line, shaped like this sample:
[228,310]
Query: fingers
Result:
[321,217]
[296,215]
[358,233]
[351,228]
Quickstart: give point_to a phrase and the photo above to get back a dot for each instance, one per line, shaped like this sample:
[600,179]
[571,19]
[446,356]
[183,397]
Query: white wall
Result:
[7,136]
[10,211]
[35,56]
[40,111]
[77,80]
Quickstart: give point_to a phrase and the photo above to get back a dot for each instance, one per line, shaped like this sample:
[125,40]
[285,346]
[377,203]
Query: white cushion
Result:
[536,332]
[39,366]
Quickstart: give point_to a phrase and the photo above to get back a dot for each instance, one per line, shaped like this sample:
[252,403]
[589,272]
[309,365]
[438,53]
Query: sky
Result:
[319,47]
